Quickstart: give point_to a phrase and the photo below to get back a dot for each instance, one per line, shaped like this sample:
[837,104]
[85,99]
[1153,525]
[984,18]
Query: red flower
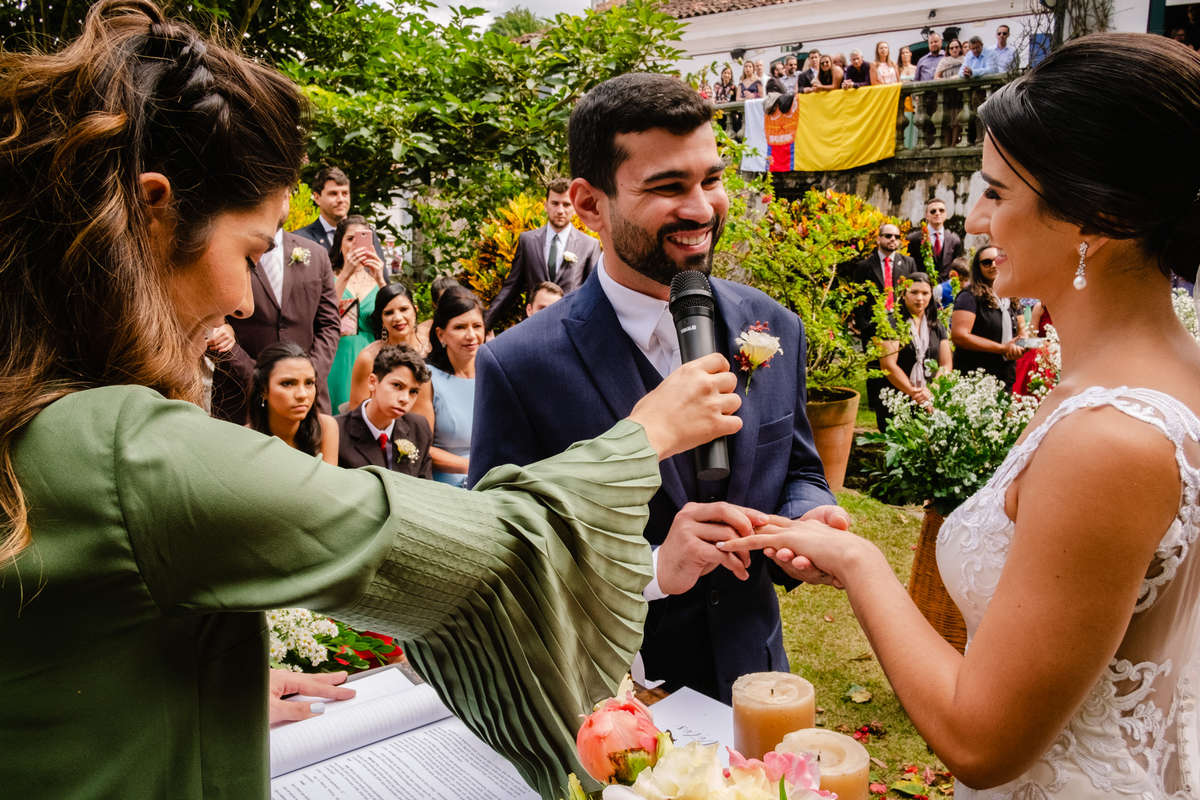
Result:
[878,788]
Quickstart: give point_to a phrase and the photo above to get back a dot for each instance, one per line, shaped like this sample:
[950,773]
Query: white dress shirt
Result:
[330,230]
[562,244]
[272,267]
[647,321]
[375,432]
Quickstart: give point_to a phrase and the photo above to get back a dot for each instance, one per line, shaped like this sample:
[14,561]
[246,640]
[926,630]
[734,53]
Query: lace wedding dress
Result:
[1136,733]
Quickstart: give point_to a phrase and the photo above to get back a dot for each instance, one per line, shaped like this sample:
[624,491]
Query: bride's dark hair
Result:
[135,93]
[1107,127]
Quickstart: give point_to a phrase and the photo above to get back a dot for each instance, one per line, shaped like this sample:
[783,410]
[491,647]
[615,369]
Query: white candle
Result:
[845,765]
[767,705]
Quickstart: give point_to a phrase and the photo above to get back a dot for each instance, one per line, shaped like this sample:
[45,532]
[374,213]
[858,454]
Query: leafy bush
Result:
[799,253]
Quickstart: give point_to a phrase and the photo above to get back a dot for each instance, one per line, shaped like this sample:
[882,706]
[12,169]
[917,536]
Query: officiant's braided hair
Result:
[1116,156]
[135,93]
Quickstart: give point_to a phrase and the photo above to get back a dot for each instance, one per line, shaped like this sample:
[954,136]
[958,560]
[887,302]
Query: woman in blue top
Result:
[448,400]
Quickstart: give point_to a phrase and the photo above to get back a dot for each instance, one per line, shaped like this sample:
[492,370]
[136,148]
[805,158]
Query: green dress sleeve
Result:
[520,601]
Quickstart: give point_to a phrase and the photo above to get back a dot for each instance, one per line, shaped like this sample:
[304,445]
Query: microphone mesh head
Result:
[689,290]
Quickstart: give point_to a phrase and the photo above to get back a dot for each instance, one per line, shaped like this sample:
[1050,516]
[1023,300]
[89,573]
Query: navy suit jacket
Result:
[570,372]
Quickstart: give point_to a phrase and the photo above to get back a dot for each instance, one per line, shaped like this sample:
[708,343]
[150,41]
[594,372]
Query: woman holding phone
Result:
[359,277]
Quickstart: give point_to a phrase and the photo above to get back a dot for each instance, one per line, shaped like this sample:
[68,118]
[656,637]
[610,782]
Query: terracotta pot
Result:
[832,423]
[926,589]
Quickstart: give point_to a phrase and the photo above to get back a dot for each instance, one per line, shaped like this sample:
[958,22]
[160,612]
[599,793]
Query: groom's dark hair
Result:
[630,103]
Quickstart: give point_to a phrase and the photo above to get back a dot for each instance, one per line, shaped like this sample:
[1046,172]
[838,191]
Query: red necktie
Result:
[937,244]
[383,445]
[887,283]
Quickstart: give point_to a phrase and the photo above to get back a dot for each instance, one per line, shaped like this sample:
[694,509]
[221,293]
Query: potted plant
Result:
[799,253]
[939,456]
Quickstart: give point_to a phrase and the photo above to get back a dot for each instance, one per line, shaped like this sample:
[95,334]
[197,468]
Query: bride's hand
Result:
[808,550]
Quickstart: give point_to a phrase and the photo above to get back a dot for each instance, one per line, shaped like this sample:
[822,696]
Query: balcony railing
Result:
[943,118]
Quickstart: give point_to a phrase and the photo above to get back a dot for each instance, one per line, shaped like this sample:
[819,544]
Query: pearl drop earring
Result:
[1080,282]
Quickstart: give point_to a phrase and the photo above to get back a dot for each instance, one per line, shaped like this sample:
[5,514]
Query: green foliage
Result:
[798,252]
[458,118]
[301,208]
[945,453]
[517,21]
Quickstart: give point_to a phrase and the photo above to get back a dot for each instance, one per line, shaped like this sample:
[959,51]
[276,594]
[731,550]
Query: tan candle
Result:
[766,707]
[845,765]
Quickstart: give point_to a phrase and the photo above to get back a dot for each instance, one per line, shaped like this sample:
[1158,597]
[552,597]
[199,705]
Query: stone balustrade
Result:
[943,118]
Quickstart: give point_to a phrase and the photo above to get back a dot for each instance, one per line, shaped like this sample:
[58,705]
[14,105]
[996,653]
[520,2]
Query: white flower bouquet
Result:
[302,641]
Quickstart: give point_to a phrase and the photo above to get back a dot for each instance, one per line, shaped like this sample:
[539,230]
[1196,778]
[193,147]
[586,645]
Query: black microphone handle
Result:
[698,338]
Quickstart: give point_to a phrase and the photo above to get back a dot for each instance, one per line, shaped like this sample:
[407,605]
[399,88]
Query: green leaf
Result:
[910,788]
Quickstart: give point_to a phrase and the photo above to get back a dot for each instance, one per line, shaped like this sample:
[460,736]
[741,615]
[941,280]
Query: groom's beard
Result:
[646,253]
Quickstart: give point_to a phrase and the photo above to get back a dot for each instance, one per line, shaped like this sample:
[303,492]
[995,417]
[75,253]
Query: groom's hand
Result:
[690,549]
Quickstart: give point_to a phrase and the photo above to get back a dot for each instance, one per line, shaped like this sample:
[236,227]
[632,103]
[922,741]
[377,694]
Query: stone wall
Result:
[901,185]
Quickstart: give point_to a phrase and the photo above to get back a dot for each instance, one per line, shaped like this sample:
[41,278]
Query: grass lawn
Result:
[826,646]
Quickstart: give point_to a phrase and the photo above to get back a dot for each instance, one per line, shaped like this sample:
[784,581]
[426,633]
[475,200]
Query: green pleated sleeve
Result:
[520,601]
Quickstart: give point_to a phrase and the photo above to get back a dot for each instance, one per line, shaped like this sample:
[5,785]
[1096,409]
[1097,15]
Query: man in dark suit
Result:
[555,252]
[293,302]
[648,181]
[331,194]
[381,432]
[883,270]
[946,245]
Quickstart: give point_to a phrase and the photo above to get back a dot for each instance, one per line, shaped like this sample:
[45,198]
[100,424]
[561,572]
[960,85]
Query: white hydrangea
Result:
[1185,309]
[294,631]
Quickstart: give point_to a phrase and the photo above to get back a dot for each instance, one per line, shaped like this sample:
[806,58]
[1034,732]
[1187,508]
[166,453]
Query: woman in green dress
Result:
[141,173]
[359,279]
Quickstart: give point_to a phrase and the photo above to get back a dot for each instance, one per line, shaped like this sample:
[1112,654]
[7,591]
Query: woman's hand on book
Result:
[284,682]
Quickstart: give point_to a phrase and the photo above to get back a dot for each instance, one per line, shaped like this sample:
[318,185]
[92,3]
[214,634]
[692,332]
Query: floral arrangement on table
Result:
[302,641]
[946,452]
[619,745]
[800,253]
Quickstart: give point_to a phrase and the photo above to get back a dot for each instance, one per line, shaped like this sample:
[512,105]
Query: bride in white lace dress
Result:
[1074,566]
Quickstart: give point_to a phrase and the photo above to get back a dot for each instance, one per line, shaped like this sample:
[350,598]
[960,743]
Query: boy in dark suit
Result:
[381,432]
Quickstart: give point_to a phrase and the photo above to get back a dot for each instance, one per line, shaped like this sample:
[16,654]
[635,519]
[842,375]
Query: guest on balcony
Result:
[751,86]
[927,66]
[829,76]
[790,78]
[950,65]
[883,69]
[1002,55]
[977,63]
[725,91]
[812,65]
[906,67]
[858,73]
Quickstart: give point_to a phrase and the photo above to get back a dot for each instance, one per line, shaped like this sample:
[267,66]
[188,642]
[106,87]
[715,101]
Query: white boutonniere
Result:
[756,349]
[301,255]
[406,449]
[569,257]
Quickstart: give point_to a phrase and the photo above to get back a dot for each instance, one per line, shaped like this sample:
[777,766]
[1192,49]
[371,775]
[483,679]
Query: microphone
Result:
[694,312]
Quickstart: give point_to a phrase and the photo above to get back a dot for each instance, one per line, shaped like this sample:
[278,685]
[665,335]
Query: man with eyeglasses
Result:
[1001,56]
[945,245]
[885,269]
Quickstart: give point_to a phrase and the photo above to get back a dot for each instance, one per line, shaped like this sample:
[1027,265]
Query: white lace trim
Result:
[1120,739]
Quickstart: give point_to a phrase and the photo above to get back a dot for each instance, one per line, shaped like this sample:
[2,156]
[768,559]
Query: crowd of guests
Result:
[824,72]
[333,360]
[984,332]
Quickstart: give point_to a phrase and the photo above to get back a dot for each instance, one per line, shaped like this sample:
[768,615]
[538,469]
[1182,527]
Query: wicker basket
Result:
[926,589]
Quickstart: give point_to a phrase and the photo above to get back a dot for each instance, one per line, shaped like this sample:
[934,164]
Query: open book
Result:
[392,741]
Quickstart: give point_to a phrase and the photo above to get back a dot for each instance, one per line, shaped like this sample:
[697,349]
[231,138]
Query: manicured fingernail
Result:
[317,708]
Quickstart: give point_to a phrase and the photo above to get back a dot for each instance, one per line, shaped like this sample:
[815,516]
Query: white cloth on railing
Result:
[754,128]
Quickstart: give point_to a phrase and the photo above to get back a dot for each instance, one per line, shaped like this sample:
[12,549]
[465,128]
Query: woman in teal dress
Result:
[141,173]
[359,278]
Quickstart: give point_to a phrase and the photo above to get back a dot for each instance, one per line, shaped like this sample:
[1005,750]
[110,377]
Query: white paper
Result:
[335,732]
[367,688]
[694,717]
[441,761]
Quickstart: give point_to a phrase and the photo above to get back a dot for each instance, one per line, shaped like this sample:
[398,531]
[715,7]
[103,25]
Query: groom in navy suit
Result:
[647,179]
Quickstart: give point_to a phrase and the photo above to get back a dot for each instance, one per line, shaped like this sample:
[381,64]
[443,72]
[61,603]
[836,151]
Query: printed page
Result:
[694,717]
[363,722]
[441,761]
